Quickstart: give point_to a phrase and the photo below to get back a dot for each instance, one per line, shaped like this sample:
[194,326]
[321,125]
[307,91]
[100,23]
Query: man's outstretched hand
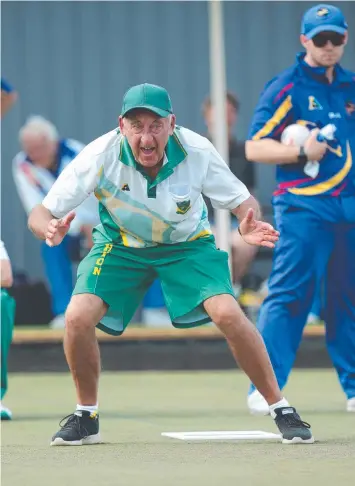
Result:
[58,228]
[257,232]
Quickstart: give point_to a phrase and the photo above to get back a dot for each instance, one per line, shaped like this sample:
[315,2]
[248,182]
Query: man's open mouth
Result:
[147,150]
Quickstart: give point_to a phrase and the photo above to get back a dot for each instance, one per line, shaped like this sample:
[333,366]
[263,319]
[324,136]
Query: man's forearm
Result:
[242,209]
[270,151]
[38,221]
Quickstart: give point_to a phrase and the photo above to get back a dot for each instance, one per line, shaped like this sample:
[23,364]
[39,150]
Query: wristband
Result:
[302,156]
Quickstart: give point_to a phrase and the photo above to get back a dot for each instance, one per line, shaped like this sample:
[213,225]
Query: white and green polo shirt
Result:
[137,211]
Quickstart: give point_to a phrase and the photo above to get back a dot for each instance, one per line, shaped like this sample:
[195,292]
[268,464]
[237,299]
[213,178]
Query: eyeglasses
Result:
[321,39]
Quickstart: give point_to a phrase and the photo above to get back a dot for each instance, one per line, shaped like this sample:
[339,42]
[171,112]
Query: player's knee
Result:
[81,313]
[226,320]
[74,319]
[85,310]
[226,314]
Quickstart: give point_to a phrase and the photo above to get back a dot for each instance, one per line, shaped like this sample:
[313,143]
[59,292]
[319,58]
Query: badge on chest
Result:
[183,206]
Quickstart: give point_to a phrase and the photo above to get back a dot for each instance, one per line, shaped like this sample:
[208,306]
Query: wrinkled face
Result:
[326,48]
[147,135]
[231,116]
[39,149]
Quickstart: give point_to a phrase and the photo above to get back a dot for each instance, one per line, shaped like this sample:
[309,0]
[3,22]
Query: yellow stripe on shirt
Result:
[275,120]
[325,186]
[201,234]
[124,238]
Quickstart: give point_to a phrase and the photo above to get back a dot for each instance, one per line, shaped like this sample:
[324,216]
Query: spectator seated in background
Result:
[242,253]
[42,159]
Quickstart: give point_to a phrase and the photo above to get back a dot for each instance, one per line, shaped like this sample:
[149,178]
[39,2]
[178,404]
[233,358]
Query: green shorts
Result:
[190,272]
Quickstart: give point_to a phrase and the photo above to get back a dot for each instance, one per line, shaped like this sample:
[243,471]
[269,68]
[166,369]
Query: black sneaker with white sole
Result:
[79,428]
[292,428]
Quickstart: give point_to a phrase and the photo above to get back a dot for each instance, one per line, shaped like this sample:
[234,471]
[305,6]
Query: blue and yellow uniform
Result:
[315,217]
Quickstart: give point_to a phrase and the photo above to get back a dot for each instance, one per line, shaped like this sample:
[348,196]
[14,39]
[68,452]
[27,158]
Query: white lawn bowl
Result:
[295,135]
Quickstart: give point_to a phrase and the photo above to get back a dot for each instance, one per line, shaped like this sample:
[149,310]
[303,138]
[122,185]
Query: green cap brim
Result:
[157,111]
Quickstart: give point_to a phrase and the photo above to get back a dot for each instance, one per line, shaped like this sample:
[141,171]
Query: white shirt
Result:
[3,252]
[138,212]
[33,183]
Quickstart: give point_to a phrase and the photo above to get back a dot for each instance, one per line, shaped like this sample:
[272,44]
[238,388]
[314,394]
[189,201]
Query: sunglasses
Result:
[321,39]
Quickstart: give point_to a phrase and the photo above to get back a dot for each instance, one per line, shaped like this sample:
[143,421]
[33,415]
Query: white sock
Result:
[86,408]
[282,403]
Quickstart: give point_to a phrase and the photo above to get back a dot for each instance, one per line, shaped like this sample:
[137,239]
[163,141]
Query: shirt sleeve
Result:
[3,252]
[222,187]
[75,184]
[86,213]
[274,111]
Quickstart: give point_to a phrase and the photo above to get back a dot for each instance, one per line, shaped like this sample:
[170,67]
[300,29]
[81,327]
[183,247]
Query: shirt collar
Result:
[318,73]
[174,155]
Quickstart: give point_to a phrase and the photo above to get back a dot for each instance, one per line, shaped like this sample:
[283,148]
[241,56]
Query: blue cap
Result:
[322,18]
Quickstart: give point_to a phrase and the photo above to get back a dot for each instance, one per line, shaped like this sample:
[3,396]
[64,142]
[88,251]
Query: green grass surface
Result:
[136,407]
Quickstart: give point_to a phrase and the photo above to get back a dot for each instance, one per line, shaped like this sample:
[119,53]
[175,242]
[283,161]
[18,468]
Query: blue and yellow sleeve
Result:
[274,110]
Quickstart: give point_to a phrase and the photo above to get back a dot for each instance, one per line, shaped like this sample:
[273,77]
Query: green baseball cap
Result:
[149,96]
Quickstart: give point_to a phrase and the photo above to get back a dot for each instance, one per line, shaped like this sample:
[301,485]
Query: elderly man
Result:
[314,212]
[149,176]
[35,169]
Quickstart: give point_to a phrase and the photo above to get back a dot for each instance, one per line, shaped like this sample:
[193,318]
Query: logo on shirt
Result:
[313,104]
[334,115]
[322,12]
[125,187]
[183,207]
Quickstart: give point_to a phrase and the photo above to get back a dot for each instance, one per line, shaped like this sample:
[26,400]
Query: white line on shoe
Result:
[298,440]
[90,440]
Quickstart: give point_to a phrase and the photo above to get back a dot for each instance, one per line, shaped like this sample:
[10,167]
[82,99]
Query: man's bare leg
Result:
[80,345]
[82,352]
[245,343]
[250,352]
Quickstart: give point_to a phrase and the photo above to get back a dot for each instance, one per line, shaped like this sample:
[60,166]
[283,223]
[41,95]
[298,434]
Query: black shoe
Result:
[80,428]
[292,428]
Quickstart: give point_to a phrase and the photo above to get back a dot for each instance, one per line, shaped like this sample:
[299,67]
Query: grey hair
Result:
[38,125]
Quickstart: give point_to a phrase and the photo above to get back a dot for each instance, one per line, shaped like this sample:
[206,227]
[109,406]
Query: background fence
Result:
[72,62]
